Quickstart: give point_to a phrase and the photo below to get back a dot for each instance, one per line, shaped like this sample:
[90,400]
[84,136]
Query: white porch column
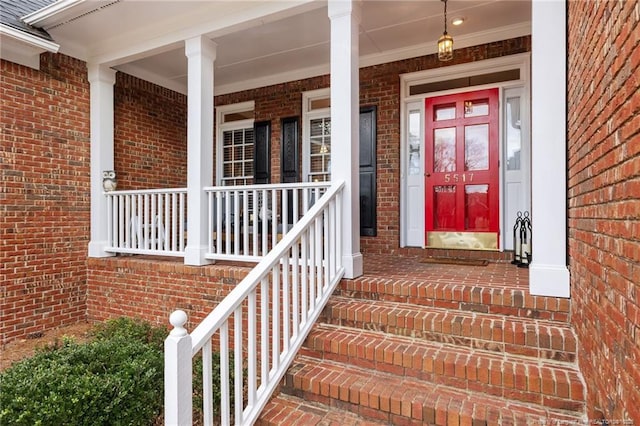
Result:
[345,124]
[201,53]
[101,81]
[548,272]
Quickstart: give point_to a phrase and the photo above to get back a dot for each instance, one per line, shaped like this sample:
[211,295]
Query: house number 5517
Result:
[458,177]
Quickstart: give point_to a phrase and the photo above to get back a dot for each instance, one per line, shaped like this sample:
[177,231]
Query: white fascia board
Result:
[50,11]
[28,39]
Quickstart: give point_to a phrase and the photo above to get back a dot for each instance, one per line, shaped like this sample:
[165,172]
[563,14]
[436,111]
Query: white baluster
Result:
[251,348]
[225,400]
[207,384]
[237,363]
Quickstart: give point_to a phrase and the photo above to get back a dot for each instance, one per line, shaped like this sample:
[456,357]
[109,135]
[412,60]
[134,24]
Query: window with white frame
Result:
[316,148]
[235,147]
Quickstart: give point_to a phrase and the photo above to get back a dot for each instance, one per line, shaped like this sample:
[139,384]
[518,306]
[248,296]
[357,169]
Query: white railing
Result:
[147,221]
[246,222]
[259,327]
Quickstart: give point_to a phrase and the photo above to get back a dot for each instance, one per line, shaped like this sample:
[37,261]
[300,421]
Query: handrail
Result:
[292,284]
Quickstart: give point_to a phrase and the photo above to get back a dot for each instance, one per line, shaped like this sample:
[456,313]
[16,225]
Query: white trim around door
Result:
[515,187]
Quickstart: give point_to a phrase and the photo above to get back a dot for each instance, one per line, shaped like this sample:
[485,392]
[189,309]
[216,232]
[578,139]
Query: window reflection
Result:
[444,212]
[476,108]
[477,206]
[514,136]
[445,112]
[444,150]
[415,124]
[476,147]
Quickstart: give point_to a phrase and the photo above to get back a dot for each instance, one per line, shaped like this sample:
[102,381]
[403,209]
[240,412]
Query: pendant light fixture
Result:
[445,42]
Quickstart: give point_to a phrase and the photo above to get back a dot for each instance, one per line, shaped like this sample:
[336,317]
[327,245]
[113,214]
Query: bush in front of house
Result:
[116,379]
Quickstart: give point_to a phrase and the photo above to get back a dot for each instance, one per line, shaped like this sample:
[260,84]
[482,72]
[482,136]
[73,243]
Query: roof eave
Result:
[29,39]
[41,16]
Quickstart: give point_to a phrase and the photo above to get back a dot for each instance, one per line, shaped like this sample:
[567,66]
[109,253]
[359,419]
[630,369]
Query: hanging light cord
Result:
[445,16]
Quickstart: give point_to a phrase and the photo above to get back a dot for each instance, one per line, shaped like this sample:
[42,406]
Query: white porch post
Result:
[548,272]
[345,18]
[101,81]
[201,53]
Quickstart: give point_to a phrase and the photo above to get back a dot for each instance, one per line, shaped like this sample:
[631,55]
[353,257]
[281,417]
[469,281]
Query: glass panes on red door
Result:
[461,171]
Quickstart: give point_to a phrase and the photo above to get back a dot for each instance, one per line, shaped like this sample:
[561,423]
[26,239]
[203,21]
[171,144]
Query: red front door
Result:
[462,171]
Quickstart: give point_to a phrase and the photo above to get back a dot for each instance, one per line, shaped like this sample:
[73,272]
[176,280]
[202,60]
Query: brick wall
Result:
[150,135]
[44,215]
[151,288]
[604,201]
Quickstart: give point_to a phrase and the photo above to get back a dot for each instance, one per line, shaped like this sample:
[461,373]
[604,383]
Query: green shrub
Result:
[117,379]
[114,380]
[128,328]
[215,386]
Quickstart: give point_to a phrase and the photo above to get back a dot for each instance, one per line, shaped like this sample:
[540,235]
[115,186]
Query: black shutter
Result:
[368,213]
[289,158]
[262,152]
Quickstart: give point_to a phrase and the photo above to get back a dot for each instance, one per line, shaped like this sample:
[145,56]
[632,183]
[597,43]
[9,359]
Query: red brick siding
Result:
[44,215]
[151,288]
[150,135]
[604,201]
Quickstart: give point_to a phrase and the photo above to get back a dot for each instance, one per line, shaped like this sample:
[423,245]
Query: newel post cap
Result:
[178,319]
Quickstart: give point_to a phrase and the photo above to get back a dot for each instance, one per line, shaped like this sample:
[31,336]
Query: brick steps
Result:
[417,343]
[292,411]
[403,400]
[497,333]
[520,378]
[491,294]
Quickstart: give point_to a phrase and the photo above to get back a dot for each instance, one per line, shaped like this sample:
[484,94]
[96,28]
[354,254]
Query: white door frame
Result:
[518,61]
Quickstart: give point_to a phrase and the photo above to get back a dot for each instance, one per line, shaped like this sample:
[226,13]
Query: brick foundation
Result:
[151,288]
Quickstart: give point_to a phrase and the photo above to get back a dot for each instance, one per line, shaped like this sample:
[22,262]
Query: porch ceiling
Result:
[266,42]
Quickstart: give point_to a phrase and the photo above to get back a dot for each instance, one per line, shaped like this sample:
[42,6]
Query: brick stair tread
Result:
[289,410]
[489,297]
[522,378]
[404,400]
[521,336]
